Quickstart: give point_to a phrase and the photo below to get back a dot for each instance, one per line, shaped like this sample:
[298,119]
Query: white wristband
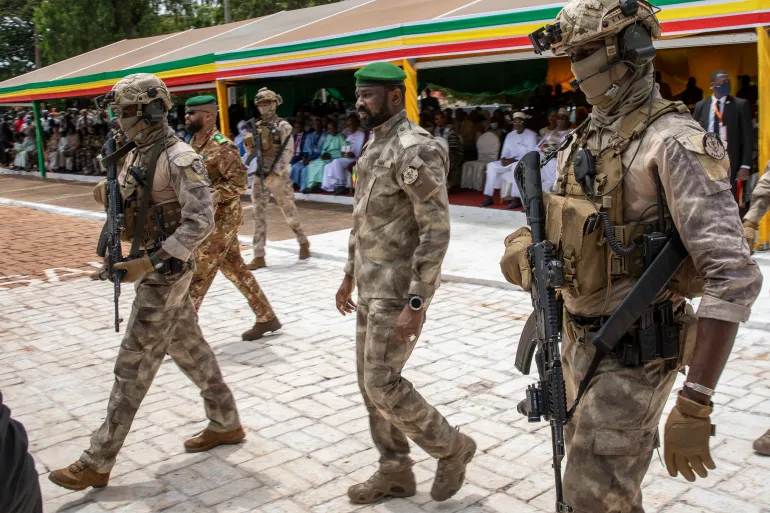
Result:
[699,388]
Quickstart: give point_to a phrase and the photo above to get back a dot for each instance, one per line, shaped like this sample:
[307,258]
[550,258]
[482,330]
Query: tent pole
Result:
[763,54]
[224,121]
[39,137]
[412,110]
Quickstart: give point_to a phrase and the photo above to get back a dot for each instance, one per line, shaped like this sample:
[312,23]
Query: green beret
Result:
[200,100]
[380,73]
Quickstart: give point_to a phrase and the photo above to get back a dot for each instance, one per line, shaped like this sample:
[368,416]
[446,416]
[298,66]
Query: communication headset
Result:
[153,112]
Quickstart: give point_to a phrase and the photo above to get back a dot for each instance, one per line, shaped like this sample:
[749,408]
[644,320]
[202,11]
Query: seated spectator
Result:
[517,144]
[312,175]
[429,103]
[52,147]
[445,131]
[311,149]
[427,121]
[474,171]
[550,142]
[68,145]
[299,134]
[25,150]
[551,123]
[242,131]
[468,133]
[336,173]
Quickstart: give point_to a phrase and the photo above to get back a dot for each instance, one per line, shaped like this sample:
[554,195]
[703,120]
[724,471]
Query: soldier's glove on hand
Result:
[686,439]
[515,262]
[135,269]
[100,192]
[750,232]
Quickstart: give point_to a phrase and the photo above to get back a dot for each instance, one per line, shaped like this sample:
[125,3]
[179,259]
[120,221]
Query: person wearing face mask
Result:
[221,250]
[169,180]
[275,136]
[639,165]
[730,118]
[517,144]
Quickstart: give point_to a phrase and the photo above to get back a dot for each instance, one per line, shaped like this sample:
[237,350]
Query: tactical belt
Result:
[655,335]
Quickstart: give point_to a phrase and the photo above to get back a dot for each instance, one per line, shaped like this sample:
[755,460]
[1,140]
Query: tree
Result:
[17,37]
[245,9]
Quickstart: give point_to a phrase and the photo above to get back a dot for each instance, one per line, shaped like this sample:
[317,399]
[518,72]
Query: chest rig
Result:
[595,242]
[270,137]
[151,217]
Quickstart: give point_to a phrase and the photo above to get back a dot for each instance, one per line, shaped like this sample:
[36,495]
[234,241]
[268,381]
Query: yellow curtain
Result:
[763,51]
[412,109]
[559,72]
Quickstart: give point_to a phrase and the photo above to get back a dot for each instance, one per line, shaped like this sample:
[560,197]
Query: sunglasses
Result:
[190,112]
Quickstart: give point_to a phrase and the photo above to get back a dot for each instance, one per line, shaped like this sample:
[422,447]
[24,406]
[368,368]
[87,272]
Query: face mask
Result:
[595,85]
[723,89]
[132,126]
[493,126]
[267,110]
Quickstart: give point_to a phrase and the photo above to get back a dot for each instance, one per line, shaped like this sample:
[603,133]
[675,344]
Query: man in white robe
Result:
[336,172]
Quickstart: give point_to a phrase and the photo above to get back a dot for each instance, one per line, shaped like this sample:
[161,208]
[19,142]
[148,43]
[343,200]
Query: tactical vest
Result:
[270,136]
[573,225]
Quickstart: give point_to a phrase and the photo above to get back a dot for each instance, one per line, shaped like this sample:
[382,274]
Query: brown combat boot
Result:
[208,439]
[762,444]
[304,251]
[260,328]
[78,476]
[450,472]
[381,484]
[256,263]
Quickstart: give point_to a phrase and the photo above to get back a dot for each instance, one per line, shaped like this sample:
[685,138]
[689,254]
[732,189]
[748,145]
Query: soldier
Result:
[163,318]
[399,238]
[221,249]
[641,146]
[277,149]
[760,204]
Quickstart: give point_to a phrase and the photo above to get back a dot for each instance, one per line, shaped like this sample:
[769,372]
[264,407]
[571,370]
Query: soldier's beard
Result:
[371,120]
[193,128]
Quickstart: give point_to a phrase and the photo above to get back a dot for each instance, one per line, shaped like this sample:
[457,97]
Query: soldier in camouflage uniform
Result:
[221,249]
[163,318]
[638,139]
[760,204]
[398,242]
[277,149]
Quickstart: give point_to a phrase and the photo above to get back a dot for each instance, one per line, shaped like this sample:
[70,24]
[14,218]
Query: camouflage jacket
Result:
[401,213]
[223,164]
[276,132]
[760,198]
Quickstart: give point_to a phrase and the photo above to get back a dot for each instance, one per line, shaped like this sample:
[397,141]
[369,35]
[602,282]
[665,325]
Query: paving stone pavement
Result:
[307,432]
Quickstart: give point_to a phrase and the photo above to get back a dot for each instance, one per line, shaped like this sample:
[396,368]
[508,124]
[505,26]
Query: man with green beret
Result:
[399,238]
[221,249]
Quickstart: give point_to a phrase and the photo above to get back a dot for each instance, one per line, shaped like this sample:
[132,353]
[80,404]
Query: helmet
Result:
[584,21]
[138,89]
[265,95]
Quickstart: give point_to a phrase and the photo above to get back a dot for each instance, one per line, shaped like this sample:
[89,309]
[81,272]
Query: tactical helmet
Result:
[265,95]
[584,21]
[138,89]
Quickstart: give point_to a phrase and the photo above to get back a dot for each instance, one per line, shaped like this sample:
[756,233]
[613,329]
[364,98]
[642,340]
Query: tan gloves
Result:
[135,269]
[686,439]
[100,192]
[515,262]
[750,232]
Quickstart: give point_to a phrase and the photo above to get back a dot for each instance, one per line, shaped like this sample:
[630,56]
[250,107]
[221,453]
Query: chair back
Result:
[488,146]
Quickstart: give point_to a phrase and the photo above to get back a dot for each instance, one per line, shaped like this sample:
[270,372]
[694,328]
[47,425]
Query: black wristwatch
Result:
[156,262]
[416,303]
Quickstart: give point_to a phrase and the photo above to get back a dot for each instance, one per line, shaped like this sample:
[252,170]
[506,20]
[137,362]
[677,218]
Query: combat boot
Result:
[381,484]
[256,263]
[304,251]
[78,476]
[260,328]
[762,444]
[208,439]
[450,472]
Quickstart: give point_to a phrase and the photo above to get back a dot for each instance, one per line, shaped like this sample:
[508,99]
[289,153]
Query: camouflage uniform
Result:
[398,242]
[611,439]
[221,249]
[277,183]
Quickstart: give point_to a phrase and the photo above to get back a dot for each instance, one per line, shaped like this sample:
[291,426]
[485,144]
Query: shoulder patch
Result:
[418,180]
[713,146]
[709,152]
[221,139]
[185,159]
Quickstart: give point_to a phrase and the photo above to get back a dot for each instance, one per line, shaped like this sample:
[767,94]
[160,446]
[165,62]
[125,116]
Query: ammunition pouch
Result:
[163,220]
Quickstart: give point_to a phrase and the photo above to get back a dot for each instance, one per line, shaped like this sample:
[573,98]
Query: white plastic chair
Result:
[475,171]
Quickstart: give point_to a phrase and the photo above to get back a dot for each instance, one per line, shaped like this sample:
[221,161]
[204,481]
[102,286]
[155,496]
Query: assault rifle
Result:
[548,398]
[109,241]
[257,154]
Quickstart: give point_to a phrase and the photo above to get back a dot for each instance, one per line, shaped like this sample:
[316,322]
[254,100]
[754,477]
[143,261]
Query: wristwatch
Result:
[156,262]
[416,303]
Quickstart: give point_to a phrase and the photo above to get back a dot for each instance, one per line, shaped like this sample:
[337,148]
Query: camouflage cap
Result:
[139,88]
[584,21]
[265,95]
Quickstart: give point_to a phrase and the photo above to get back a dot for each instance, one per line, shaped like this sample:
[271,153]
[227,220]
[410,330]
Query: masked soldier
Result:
[272,175]
[163,320]
[398,242]
[639,168]
[221,249]
[760,204]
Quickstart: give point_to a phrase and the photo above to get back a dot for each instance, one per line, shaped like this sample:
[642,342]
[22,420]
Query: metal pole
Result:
[227,11]
[39,137]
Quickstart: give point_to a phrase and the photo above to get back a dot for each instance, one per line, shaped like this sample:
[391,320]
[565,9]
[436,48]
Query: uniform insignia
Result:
[713,146]
[198,167]
[410,175]
[221,139]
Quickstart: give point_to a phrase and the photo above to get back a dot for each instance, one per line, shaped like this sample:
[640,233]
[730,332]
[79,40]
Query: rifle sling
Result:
[149,176]
[112,158]
[278,155]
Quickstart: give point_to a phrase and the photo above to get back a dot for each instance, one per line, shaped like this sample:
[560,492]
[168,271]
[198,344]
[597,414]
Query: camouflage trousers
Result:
[611,438]
[396,409]
[280,187]
[221,251]
[163,321]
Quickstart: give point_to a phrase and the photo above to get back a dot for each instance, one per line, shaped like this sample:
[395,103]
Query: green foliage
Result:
[17,37]
[245,9]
